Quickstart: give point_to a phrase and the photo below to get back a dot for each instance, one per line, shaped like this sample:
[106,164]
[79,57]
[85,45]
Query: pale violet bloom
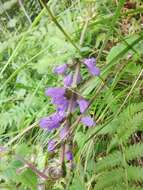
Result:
[64,133]
[83,105]
[68,80]
[91,65]
[51,122]
[61,69]
[51,145]
[88,121]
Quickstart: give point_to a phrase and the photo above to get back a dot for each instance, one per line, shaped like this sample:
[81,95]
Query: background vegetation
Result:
[107,156]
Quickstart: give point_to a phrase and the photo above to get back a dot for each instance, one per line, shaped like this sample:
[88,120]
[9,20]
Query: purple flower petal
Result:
[48,123]
[64,133]
[91,65]
[51,122]
[95,71]
[44,122]
[90,62]
[61,69]
[61,103]
[83,104]
[68,80]
[69,155]
[59,116]
[88,121]
[55,92]
[58,98]
[51,145]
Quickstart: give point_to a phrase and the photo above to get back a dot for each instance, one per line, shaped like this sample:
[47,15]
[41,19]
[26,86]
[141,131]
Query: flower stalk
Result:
[66,99]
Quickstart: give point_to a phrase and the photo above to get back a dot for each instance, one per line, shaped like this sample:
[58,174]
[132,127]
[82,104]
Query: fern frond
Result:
[126,128]
[109,161]
[134,151]
[109,179]
[106,179]
[124,117]
[115,159]
[130,126]
[133,109]
[135,173]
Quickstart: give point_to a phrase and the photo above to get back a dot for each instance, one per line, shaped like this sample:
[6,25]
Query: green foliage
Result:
[27,177]
[121,163]
[7,5]
[107,156]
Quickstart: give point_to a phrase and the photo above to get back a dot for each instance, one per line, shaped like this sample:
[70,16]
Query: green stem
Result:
[58,25]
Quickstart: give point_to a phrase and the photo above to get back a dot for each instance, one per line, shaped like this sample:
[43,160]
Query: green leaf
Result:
[29,179]
[120,50]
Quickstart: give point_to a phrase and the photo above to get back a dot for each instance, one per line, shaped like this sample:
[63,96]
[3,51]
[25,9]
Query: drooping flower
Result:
[83,104]
[68,80]
[61,69]
[55,92]
[61,103]
[69,155]
[64,132]
[88,121]
[91,65]
[51,145]
[58,97]
[95,71]
[51,122]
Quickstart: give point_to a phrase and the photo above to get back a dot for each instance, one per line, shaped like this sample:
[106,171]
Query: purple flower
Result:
[90,62]
[58,98]
[61,69]
[91,65]
[64,133]
[61,103]
[95,71]
[63,107]
[55,92]
[51,122]
[68,80]
[88,121]
[69,155]
[83,104]
[51,145]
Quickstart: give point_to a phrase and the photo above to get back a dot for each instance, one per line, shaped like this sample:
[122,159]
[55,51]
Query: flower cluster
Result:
[66,102]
